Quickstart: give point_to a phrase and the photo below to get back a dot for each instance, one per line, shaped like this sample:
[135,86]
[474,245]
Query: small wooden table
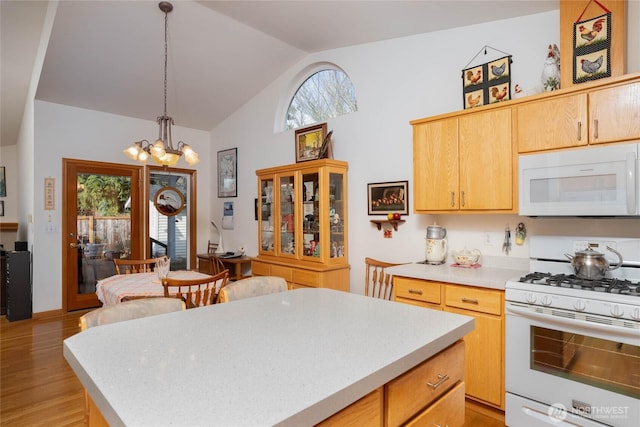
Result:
[233,264]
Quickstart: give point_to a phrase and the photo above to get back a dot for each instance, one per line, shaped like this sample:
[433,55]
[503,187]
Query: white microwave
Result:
[601,181]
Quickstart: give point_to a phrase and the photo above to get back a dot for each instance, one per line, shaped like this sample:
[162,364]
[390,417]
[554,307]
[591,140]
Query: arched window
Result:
[325,94]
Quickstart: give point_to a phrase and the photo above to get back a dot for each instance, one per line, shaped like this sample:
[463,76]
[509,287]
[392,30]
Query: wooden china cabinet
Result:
[302,224]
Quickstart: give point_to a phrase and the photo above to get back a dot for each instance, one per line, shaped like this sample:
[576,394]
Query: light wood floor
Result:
[38,388]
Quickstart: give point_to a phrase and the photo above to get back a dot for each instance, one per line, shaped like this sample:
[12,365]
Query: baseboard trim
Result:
[489,411]
[47,314]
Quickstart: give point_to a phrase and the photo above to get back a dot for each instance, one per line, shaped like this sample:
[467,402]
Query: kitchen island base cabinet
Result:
[484,361]
[430,394]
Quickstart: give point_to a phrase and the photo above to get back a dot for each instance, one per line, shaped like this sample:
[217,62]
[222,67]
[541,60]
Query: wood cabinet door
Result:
[486,160]
[435,165]
[552,123]
[615,114]
[484,358]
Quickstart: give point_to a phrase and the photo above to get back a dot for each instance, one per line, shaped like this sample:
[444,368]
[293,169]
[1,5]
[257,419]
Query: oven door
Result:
[560,370]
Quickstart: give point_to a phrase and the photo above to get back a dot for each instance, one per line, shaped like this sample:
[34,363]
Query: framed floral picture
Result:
[227,173]
[309,142]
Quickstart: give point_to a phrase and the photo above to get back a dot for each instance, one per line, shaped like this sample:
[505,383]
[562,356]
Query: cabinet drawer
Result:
[260,268]
[410,392]
[475,299]
[306,277]
[285,272]
[448,411]
[415,289]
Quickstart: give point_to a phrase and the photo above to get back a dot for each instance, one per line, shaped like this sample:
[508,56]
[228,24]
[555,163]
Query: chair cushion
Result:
[253,287]
[128,310]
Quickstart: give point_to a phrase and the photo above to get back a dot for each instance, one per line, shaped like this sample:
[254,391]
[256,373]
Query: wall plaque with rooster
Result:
[592,48]
[487,83]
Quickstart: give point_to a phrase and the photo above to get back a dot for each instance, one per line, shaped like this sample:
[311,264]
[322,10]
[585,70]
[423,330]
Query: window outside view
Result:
[326,94]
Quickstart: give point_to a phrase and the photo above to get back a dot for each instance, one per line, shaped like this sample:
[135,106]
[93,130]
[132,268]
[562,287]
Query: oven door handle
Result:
[557,320]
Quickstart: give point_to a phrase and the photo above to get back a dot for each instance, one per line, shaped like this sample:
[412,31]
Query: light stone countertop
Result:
[291,358]
[493,273]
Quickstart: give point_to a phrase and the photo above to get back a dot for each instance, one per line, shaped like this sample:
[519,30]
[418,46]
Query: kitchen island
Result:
[292,358]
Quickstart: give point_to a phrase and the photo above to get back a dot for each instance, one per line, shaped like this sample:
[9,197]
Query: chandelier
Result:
[163,151]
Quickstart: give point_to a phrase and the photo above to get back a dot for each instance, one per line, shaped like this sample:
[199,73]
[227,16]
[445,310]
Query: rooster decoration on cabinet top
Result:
[551,69]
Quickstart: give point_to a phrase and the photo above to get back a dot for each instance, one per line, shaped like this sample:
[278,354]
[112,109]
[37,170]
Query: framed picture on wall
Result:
[388,197]
[227,173]
[3,183]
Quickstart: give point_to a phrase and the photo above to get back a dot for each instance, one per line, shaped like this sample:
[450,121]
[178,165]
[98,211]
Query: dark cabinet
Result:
[18,285]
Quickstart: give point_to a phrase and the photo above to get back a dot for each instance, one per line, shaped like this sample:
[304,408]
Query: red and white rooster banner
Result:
[592,46]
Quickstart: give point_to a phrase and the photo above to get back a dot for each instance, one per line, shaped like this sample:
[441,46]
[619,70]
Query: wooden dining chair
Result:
[377,282]
[130,266]
[252,287]
[196,292]
[119,313]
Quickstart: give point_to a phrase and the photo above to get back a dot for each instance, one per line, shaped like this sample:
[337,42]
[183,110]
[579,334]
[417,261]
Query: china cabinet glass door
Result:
[337,215]
[311,240]
[265,214]
[287,220]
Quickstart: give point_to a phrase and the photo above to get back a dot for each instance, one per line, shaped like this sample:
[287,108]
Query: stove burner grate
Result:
[613,285]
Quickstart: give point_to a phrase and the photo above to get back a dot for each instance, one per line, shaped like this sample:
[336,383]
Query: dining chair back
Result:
[133,309]
[216,266]
[211,247]
[252,287]
[196,292]
[129,266]
[377,282]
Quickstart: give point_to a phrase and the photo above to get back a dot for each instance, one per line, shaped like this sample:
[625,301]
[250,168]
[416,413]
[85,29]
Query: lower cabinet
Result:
[484,360]
[432,393]
[300,277]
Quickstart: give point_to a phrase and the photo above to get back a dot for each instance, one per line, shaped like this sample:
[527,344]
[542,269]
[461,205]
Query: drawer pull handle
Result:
[441,378]
[470,300]
[579,131]
[415,291]
[595,130]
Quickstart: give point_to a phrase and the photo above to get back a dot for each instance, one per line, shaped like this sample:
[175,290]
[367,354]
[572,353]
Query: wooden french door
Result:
[103,219]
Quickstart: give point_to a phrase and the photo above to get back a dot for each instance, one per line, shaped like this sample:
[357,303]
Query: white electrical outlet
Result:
[487,239]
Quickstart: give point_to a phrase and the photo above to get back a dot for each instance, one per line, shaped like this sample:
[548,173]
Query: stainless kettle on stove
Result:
[436,244]
[592,265]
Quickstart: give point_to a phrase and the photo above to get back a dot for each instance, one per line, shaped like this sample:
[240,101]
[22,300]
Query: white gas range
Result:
[573,345]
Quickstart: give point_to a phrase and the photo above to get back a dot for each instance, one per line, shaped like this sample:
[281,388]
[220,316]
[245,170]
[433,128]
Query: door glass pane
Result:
[605,364]
[287,215]
[168,230]
[103,226]
[266,215]
[336,214]
[310,215]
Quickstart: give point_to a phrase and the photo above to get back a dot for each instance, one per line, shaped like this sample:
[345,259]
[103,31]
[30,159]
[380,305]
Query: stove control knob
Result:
[546,300]
[579,305]
[616,311]
[530,298]
[635,313]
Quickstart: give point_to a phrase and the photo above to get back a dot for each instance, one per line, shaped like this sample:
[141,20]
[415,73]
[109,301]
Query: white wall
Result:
[68,132]
[396,81]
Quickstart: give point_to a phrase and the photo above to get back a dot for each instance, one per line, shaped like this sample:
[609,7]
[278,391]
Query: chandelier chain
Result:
[166,26]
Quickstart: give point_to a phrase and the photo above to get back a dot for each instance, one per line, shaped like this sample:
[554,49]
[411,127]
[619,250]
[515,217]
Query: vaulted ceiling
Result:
[108,55]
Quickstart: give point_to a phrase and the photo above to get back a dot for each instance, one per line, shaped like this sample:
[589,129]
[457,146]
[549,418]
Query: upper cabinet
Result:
[464,163]
[595,116]
[302,217]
